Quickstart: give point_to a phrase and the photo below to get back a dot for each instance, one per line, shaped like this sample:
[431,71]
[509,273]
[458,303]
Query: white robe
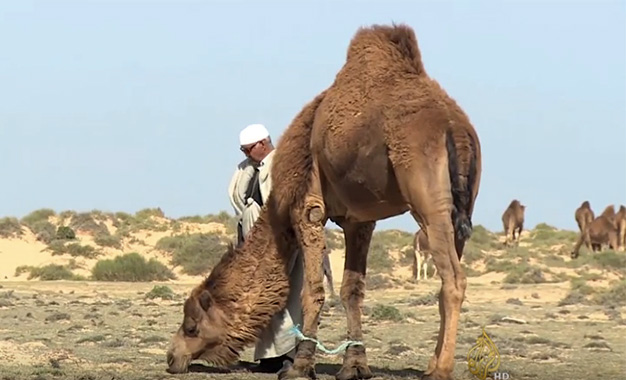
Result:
[275,340]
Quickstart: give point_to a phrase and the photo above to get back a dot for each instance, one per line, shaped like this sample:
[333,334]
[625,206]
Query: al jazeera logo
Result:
[483,359]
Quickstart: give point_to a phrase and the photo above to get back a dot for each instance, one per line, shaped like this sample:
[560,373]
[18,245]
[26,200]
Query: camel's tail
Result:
[293,161]
[463,171]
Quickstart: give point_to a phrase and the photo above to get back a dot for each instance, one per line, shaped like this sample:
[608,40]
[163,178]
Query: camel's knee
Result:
[314,209]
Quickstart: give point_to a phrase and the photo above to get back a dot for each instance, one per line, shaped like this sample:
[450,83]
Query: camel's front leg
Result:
[357,238]
[310,231]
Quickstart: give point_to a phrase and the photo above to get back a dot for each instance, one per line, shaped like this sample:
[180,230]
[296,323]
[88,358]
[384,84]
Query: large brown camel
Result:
[602,231]
[513,220]
[620,221]
[382,140]
[421,254]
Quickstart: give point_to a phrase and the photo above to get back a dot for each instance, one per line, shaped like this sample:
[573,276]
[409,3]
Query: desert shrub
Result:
[544,234]
[84,222]
[37,216]
[229,221]
[44,231]
[195,253]
[50,272]
[386,313]
[10,227]
[615,295]
[65,233]
[493,264]
[334,239]
[66,215]
[524,273]
[392,239]
[74,249]
[579,284]
[407,256]
[160,291]
[146,213]
[378,259]
[108,240]
[131,267]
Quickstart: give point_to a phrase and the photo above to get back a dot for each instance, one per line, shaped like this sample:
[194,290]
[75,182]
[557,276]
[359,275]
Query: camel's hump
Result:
[380,38]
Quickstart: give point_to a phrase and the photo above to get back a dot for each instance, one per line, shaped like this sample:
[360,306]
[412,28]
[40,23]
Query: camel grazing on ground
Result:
[513,220]
[620,221]
[421,255]
[382,140]
[602,231]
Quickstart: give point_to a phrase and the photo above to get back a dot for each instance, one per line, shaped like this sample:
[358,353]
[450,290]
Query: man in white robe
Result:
[248,191]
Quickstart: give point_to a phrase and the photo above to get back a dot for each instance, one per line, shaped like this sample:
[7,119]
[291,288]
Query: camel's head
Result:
[202,334]
[586,204]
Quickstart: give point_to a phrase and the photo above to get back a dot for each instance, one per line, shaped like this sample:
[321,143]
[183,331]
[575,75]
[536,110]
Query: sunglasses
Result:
[248,149]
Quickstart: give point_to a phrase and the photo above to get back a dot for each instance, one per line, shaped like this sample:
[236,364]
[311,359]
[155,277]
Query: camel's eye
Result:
[191,331]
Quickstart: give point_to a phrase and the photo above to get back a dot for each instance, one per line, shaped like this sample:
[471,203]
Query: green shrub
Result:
[51,272]
[10,227]
[523,273]
[195,253]
[146,213]
[229,221]
[58,247]
[615,295]
[85,222]
[386,313]
[378,259]
[108,240]
[160,291]
[41,215]
[65,233]
[131,267]
[44,231]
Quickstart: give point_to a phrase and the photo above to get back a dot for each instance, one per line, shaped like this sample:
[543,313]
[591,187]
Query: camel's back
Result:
[382,81]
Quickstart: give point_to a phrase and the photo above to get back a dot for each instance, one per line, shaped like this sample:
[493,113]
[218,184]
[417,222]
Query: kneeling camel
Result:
[382,140]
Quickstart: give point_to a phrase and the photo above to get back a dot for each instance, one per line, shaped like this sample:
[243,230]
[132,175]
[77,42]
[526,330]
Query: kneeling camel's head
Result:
[201,334]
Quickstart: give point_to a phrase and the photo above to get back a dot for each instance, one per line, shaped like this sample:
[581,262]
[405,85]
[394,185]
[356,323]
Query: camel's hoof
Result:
[292,372]
[437,376]
[354,373]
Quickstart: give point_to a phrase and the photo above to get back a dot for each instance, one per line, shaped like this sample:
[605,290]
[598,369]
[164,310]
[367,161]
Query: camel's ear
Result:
[205,300]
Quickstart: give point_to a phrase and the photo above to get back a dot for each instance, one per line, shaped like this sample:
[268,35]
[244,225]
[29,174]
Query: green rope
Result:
[296,331]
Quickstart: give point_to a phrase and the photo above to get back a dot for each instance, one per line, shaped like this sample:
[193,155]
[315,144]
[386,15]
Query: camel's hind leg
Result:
[357,238]
[430,199]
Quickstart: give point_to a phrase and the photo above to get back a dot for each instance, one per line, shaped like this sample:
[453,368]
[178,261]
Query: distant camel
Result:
[620,220]
[384,139]
[421,255]
[584,216]
[513,220]
[328,272]
[602,231]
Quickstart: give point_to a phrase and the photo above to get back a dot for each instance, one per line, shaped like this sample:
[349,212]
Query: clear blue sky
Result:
[123,105]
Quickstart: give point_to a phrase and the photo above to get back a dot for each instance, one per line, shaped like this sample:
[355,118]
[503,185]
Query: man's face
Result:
[254,151]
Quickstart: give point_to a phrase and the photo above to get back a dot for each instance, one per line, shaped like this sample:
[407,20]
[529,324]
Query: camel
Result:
[421,255]
[584,216]
[384,139]
[620,220]
[513,220]
[602,231]
[328,272]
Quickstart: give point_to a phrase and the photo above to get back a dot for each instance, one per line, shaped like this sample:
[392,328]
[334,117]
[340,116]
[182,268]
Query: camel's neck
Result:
[252,285]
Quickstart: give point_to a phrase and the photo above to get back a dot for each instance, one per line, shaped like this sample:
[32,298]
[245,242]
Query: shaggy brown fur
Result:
[417,151]
[602,231]
[421,254]
[620,220]
[513,221]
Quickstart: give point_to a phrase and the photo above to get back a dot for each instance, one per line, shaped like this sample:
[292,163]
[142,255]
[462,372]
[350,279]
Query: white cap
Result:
[253,133]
